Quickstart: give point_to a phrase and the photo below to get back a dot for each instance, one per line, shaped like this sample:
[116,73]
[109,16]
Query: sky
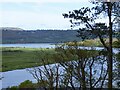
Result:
[38,14]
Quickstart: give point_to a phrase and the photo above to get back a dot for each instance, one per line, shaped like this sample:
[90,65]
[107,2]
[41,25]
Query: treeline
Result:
[39,36]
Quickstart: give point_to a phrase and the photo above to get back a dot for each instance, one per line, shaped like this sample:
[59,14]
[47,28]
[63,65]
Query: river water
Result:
[49,45]
[30,45]
[15,77]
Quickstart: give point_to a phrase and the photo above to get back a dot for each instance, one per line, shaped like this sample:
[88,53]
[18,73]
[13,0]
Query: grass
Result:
[18,58]
[95,43]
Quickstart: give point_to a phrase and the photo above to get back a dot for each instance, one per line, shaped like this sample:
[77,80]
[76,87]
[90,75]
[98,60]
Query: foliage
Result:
[95,43]
[38,36]
[27,84]
[88,16]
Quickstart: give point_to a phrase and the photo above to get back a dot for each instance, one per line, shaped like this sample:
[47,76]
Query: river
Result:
[50,45]
[30,45]
[15,77]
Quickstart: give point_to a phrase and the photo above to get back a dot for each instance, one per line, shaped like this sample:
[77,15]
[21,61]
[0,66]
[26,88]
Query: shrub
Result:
[27,84]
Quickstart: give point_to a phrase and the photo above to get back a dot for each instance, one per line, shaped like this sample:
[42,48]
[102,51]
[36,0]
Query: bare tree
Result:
[47,75]
[87,70]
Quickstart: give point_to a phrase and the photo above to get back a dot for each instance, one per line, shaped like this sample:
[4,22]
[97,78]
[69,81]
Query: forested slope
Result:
[38,36]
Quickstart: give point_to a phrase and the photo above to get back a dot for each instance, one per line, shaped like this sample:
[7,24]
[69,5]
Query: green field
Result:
[18,58]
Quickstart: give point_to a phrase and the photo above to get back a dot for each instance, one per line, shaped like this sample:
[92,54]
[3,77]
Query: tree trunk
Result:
[110,61]
[83,78]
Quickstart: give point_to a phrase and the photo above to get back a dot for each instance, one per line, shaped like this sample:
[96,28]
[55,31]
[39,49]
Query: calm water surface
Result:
[30,45]
[15,77]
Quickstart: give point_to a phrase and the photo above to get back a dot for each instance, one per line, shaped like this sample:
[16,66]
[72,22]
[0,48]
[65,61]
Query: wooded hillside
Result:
[38,36]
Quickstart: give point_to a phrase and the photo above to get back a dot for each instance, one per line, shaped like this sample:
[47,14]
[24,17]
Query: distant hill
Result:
[38,36]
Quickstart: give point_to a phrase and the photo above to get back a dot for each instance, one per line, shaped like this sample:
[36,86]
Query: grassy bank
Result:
[18,58]
[95,43]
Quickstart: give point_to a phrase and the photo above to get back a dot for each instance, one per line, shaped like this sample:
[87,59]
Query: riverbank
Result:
[95,43]
[20,58]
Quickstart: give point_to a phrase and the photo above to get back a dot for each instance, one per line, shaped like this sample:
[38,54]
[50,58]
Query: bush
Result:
[27,84]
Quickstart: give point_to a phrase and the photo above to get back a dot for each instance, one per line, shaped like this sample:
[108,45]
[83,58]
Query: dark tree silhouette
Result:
[88,16]
[81,70]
